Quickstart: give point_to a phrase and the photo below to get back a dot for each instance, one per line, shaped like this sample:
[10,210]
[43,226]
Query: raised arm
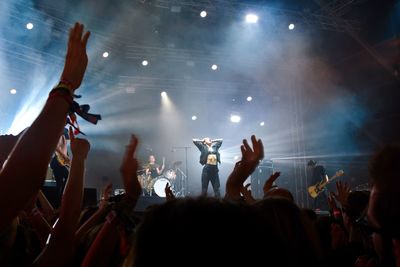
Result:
[218,142]
[199,143]
[27,163]
[101,250]
[61,244]
[160,170]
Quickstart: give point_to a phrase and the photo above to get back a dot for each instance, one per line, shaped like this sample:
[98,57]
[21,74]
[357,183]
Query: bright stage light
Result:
[291,26]
[251,18]
[145,63]
[29,26]
[214,67]
[249,98]
[13,91]
[262,124]
[235,118]
[194,117]
[164,94]
[203,14]
[105,54]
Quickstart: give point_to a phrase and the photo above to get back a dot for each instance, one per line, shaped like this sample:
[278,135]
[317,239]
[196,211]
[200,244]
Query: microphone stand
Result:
[185,186]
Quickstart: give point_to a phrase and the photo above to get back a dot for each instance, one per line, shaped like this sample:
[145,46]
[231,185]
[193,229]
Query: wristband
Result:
[65,86]
[67,83]
[63,90]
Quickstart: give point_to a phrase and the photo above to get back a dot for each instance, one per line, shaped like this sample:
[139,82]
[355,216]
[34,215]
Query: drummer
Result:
[152,168]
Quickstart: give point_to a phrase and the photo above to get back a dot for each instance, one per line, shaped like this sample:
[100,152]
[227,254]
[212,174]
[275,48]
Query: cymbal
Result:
[176,163]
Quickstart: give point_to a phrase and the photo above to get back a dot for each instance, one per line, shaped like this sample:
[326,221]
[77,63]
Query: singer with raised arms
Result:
[209,158]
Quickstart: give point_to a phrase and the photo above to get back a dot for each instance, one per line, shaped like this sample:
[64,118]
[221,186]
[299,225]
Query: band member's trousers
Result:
[61,175]
[210,174]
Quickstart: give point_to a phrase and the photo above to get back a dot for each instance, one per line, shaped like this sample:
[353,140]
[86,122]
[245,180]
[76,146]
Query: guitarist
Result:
[60,165]
[318,175]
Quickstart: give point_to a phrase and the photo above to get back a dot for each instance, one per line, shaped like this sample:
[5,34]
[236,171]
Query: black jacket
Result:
[216,144]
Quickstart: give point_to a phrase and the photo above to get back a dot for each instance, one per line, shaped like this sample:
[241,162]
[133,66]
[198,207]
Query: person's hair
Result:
[311,163]
[357,203]
[384,169]
[190,227]
[278,192]
[294,228]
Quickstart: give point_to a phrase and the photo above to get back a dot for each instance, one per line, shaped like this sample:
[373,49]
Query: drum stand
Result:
[184,186]
[182,191]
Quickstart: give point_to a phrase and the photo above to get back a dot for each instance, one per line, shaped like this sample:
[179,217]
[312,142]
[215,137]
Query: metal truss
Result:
[232,7]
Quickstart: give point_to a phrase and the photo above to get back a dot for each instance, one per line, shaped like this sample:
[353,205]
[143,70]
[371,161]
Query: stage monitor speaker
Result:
[259,176]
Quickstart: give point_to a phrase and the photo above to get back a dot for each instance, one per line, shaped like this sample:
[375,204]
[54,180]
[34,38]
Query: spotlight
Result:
[291,26]
[29,26]
[13,91]
[262,124]
[249,98]
[194,117]
[203,14]
[236,157]
[105,54]
[235,118]
[163,94]
[145,63]
[251,18]
[214,67]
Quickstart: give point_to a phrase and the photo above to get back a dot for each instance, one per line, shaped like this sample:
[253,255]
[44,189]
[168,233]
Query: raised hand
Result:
[343,192]
[129,168]
[79,147]
[270,181]
[168,192]
[246,192]
[251,157]
[76,59]
[250,160]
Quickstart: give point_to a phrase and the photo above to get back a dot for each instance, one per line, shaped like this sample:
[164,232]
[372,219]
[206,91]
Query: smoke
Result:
[295,91]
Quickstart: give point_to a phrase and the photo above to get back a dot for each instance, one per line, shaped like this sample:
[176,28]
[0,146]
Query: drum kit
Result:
[158,184]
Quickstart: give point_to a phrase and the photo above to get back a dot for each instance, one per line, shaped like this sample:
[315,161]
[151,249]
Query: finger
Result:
[70,38]
[261,149]
[131,148]
[74,31]
[85,39]
[246,145]
[254,143]
[243,150]
[79,31]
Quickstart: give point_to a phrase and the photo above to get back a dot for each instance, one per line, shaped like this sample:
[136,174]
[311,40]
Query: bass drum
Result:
[159,186]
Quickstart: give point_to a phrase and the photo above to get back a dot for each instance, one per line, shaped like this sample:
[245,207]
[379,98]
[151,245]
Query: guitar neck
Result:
[327,182]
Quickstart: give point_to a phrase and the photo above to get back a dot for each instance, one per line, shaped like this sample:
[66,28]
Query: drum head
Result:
[159,186]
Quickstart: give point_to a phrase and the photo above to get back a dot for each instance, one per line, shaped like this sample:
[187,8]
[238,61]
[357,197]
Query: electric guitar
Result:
[316,189]
[62,160]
